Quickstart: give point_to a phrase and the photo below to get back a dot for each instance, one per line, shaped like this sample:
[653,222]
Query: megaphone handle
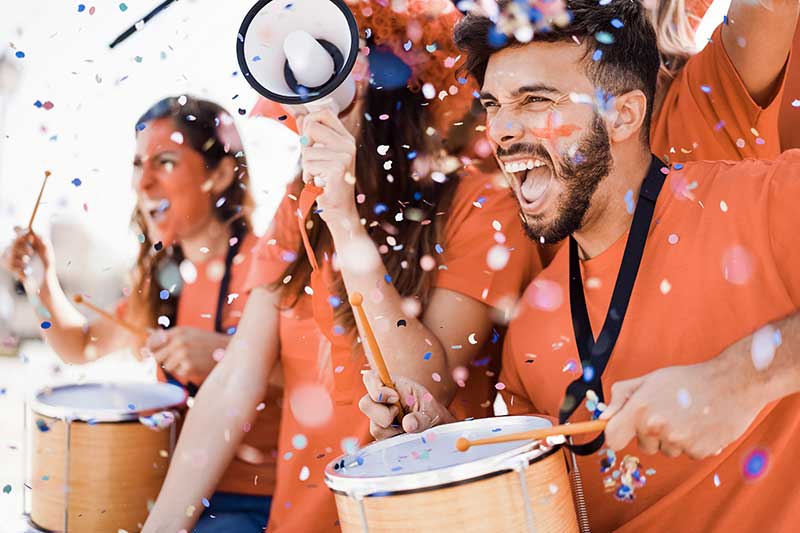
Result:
[323,103]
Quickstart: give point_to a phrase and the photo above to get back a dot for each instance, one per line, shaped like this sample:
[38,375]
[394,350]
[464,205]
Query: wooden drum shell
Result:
[494,503]
[114,469]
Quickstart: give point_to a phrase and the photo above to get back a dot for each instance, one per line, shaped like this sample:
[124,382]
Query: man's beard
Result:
[581,175]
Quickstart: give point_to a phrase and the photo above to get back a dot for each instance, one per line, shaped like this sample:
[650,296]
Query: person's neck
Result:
[211,241]
[608,217]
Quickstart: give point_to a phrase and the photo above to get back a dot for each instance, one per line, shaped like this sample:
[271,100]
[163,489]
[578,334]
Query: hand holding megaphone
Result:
[328,157]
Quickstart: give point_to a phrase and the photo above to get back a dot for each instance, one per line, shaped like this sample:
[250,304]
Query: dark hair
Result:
[199,122]
[418,197]
[630,62]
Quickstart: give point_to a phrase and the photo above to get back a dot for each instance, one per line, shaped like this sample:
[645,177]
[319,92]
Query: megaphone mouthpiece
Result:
[310,62]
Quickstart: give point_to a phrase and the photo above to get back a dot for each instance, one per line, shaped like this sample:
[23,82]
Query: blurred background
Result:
[68,104]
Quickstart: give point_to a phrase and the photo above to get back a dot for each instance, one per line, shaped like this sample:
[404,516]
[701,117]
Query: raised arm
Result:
[70,335]
[214,428]
[758,38]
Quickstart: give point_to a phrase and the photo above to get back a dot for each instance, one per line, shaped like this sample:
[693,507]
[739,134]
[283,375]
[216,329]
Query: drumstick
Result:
[190,387]
[38,200]
[78,299]
[463,444]
[356,300]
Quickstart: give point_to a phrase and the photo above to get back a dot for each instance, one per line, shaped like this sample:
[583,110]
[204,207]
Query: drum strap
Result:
[594,355]
[238,236]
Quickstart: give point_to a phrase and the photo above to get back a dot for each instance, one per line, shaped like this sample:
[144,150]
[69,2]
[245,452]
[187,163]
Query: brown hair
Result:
[630,62]
[199,122]
[675,33]
[388,192]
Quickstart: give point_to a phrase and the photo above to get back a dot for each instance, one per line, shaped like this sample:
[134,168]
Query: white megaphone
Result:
[300,52]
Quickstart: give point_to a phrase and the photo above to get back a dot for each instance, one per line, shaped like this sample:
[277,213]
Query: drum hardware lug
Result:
[359,498]
[67,484]
[520,468]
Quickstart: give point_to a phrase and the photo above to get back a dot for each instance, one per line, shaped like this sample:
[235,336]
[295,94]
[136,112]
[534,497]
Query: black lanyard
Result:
[595,354]
[222,296]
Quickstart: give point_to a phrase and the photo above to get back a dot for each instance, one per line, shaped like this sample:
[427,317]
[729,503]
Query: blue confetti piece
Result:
[380,208]
[45,478]
[338,330]
[630,205]
[42,426]
[231,330]
[334,301]
[397,468]
[38,103]
[678,166]
[164,294]
[205,503]
[46,325]
[427,356]
[496,430]
[81,8]
[76,182]
[431,48]
[604,37]
[497,38]
[7,489]
[588,374]
[597,55]
[92,421]
[407,45]
[131,406]
[20,54]
[256,59]
[123,7]
[495,336]
[140,126]
[481,200]
[617,23]
[387,278]
[359,460]
[438,248]
[411,155]
[705,88]
[417,196]
[461,81]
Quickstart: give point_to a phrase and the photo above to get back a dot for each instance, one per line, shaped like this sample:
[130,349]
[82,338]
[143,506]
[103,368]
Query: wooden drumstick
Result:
[356,299]
[38,200]
[78,299]
[463,444]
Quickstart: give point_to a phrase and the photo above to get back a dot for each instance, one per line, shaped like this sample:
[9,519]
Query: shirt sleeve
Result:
[277,249]
[486,255]
[708,114]
[784,220]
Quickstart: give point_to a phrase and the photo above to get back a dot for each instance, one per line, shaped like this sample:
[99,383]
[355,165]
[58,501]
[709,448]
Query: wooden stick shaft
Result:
[117,321]
[543,433]
[383,372]
[38,200]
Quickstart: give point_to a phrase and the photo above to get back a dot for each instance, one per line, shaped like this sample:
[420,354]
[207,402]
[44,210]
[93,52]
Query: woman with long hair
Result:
[192,211]
[380,209]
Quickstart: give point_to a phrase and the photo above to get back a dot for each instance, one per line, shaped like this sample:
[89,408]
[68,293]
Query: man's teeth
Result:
[518,166]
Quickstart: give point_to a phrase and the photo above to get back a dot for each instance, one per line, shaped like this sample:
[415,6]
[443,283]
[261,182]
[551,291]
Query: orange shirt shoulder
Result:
[720,262]
[707,113]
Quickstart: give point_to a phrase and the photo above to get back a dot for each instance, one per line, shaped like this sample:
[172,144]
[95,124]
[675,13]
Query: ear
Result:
[629,118]
[221,177]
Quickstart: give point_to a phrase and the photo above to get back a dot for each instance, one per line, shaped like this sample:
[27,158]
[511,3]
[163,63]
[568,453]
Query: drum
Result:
[99,453]
[420,482]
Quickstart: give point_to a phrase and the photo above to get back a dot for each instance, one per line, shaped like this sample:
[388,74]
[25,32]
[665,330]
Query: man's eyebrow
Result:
[538,88]
[487,96]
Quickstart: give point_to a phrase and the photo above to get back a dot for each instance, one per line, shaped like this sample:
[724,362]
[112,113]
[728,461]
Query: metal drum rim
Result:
[100,415]
[527,453]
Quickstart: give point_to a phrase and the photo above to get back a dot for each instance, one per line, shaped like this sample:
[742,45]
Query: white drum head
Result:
[108,402]
[430,459]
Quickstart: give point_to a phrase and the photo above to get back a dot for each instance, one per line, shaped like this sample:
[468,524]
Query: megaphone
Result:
[300,52]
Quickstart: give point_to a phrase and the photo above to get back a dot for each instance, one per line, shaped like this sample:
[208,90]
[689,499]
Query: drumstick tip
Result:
[356,299]
[463,444]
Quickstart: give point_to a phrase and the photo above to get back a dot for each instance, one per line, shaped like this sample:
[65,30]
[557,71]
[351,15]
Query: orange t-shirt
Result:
[250,472]
[717,266]
[790,106]
[707,113]
[314,427]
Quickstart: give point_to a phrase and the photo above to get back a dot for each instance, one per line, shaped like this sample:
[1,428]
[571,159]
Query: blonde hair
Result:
[675,33]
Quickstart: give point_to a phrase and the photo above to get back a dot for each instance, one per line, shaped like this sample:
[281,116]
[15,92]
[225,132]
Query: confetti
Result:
[497,257]
[597,55]
[42,426]
[20,54]
[705,88]
[81,8]
[716,480]
[762,350]
[123,7]
[755,464]
[500,386]
[76,182]
[46,325]
[299,441]
[673,238]
[684,398]
[164,294]
[630,205]
[665,286]
[723,206]
[7,489]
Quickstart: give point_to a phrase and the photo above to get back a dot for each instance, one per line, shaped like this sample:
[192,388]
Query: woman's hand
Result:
[25,247]
[328,161]
[186,352]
